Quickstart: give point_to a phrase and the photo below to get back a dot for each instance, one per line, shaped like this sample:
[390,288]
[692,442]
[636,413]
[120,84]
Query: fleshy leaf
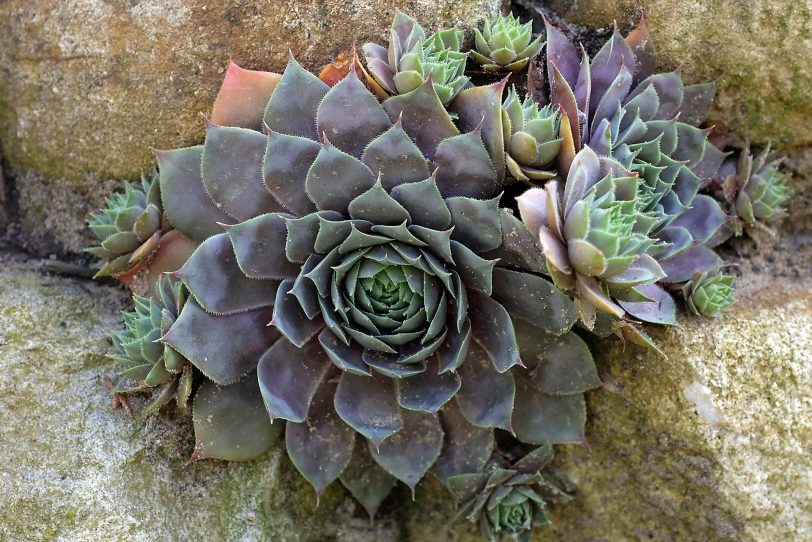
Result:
[410,453]
[424,203]
[427,391]
[493,330]
[208,341]
[466,447]
[565,366]
[395,158]
[366,480]
[243,96]
[423,117]
[284,170]
[660,310]
[336,178]
[368,404]
[231,423]
[486,396]
[477,224]
[464,167]
[185,201]
[534,300]
[232,172]
[696,259]
[321,446]
[259,245]
[350,116]
[540,418]
[289,377]
[289,316]
[218,284]
[378,207]
[292,107]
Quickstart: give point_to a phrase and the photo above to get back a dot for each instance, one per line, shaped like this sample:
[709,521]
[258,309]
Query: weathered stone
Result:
[758,51]
[88,87]
[711,443]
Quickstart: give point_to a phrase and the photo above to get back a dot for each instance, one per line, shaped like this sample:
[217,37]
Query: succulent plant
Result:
[508,500]
[505,44]
[154,366]
[130,227]
[411,59]
[531,138]
[619,107]
[593,235]
[374,245]
[755,190]
[708,293]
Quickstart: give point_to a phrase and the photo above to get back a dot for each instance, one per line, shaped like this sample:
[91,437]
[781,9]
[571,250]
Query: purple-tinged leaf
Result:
[561,53]
[321,446]
[696,259]
[540,418]
[369,405]
[492,329]
[477,224]
[284,170]
[486,396]
[606,65]
[292,107]
[427,391]
[482,107]
[347,357]
[564,365]
[703,219]
[466,447]
[464,167]
[185,201]
[562,96]
[218,284]
[336,178]
[395,159]
[642,46]
[243,96]
[697,102]
[411,452]
[366,480]
[208,341]
[289,377]
[534,300]
[425,204]
[422,116]
[259,245]
[518,248]
[351,116]
[232,172]
[289,316]
[453,352]
[230,421]
[660,310]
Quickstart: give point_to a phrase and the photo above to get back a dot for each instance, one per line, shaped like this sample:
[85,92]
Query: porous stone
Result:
[88,87]
[710,443]
[758,52]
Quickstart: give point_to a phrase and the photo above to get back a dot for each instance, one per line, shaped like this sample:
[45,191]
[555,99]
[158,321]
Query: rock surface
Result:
[710,444]
[758,51]
[88,87]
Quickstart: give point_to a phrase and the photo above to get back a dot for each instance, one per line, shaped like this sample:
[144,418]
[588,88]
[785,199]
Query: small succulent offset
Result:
[754,189]
[531,138]
[411,59]
[593,235]
[154,366]
[130,227]
[508,500]
[345,266]
[708,293]
[505,44]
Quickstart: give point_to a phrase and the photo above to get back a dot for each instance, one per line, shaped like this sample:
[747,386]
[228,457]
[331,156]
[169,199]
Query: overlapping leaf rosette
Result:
[355,267]
[615,107]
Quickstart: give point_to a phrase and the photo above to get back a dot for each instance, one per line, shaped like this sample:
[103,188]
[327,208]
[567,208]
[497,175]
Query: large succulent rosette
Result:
[357,277]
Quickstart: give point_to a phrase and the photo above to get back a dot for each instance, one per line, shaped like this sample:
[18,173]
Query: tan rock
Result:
[758,51]
[88,86]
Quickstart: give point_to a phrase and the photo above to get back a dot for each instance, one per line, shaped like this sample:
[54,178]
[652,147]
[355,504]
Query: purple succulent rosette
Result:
[368,285]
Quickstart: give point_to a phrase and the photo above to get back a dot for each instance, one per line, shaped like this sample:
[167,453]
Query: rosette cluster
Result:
[505,44]
[383,305]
